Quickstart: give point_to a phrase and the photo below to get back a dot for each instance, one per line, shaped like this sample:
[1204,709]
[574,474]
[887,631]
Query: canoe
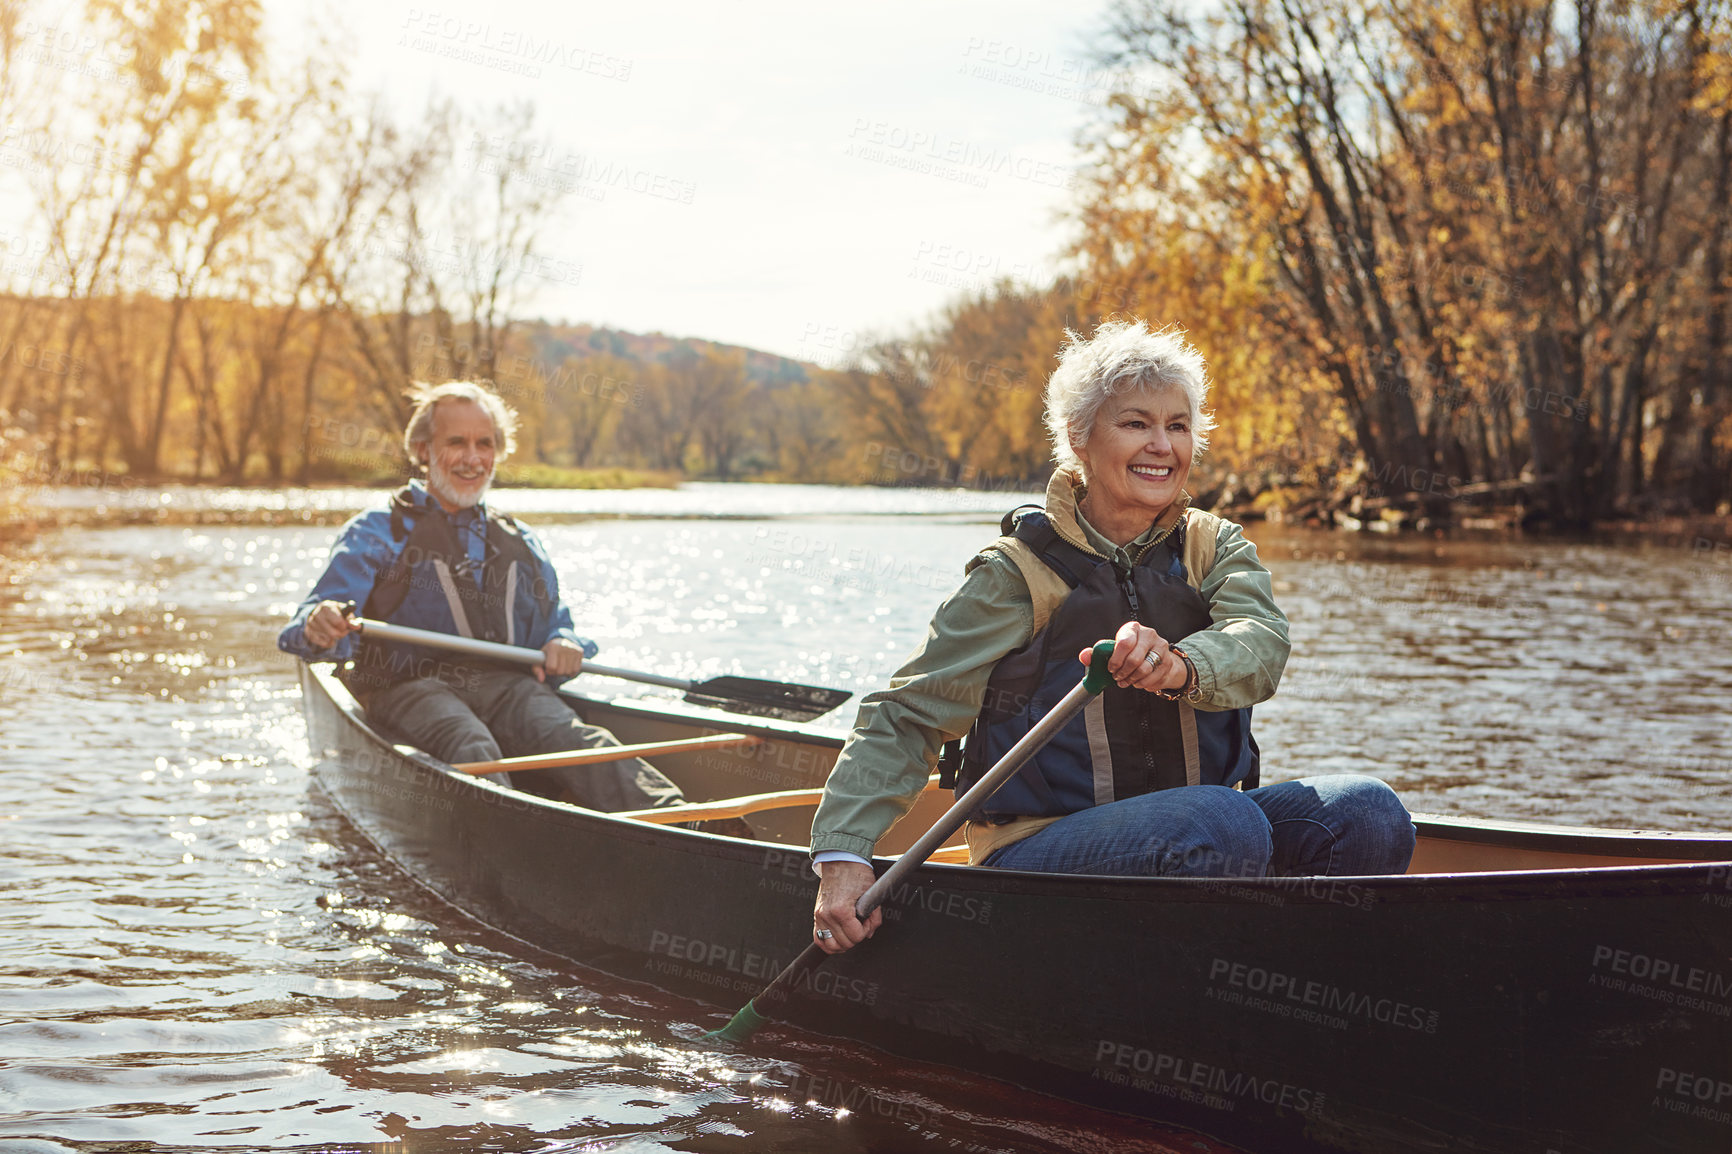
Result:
[1525,988]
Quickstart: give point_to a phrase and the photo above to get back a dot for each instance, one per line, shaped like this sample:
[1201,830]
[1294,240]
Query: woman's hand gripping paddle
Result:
[761,1009]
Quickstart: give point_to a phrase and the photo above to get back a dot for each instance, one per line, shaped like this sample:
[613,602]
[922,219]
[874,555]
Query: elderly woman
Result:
[1158,776]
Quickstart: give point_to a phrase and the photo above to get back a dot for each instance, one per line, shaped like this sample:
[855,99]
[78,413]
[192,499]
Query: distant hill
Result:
[554,341]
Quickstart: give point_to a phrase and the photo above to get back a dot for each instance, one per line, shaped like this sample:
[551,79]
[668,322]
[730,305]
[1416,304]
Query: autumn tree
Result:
[808,438]
[725,407]
[1489,230]
[132,204]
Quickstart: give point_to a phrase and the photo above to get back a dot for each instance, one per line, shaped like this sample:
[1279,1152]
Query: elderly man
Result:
[437,558]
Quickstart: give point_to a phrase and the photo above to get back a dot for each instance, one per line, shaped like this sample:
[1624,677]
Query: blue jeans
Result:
[1338,825]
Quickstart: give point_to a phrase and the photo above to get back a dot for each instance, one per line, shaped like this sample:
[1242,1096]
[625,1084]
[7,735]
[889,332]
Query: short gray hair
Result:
[1121,356]
[426,396]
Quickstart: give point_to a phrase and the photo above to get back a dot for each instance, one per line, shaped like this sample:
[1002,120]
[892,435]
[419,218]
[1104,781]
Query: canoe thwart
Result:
[606,753]
[738,806]
[727,807]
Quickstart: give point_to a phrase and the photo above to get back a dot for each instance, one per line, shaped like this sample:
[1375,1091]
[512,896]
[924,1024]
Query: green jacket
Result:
[935,696]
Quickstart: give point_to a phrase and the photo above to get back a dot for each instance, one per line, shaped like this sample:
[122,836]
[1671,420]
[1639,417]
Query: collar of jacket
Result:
[1064,492]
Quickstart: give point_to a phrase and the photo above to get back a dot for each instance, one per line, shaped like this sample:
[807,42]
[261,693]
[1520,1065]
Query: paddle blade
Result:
[740,1027]
[778,699]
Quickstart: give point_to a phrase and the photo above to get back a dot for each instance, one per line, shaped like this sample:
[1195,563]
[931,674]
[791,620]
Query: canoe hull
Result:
[1564,1010]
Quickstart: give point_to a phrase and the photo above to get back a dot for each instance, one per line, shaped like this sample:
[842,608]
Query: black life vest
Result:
[431,584]
[1128,741]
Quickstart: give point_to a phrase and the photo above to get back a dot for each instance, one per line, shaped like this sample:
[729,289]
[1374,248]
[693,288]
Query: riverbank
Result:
[1711,531]
[19,481]
[35,502]
[1498,507]
[559,477]
[536,495]
[67,507]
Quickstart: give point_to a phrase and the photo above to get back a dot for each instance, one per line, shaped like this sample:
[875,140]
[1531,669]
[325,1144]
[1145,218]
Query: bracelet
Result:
[1193,686]
[1192,690]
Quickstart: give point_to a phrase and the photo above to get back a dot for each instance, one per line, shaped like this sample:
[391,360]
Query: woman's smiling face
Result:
[1138,454]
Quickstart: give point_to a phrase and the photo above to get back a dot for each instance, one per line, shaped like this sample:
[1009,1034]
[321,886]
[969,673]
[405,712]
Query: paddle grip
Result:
[1098,678]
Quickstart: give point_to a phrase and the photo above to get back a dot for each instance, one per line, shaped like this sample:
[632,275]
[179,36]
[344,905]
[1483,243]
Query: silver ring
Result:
[823,935]
[1154,661]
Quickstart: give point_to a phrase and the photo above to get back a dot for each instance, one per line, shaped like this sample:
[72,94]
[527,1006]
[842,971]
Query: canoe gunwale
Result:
[1477,885]
[1502,833]
[1573,838]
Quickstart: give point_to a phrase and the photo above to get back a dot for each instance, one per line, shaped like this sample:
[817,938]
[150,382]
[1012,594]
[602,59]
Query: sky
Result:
[790,177]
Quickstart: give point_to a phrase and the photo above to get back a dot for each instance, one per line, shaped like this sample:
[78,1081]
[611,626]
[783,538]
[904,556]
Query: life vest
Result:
[431,584]
[1127,741]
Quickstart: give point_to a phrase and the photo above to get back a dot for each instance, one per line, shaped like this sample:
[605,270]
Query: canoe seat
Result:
[740,807]
[727,807]
[601,754]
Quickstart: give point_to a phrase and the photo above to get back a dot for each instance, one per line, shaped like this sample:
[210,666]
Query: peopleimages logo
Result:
[1217,1087]
[852,1098]
[1701,1096]
[752,969]
[937,153]
[1307,1000]
[1662,972]
[521,49]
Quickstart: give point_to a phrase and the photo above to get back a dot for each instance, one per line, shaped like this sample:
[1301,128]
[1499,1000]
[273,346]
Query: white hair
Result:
[426,396]
[1120,357]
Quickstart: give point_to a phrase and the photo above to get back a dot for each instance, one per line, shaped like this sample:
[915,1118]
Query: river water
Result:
[197,954]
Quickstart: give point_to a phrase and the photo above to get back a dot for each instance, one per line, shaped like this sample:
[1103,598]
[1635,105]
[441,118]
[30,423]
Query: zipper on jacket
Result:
[1144,551]
[1128,586]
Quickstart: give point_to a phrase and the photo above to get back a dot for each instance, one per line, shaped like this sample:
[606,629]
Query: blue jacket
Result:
[370,545]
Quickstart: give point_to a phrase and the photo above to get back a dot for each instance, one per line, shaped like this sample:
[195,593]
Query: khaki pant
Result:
[490,714]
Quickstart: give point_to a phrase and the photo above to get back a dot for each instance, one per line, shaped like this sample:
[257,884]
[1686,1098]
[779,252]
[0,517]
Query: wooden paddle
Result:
[749,695]
[759,1010]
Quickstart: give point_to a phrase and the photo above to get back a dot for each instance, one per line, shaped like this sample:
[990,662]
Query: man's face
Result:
[459,456]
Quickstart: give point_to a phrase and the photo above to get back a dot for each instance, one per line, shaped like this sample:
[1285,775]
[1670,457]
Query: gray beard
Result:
[439,484]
